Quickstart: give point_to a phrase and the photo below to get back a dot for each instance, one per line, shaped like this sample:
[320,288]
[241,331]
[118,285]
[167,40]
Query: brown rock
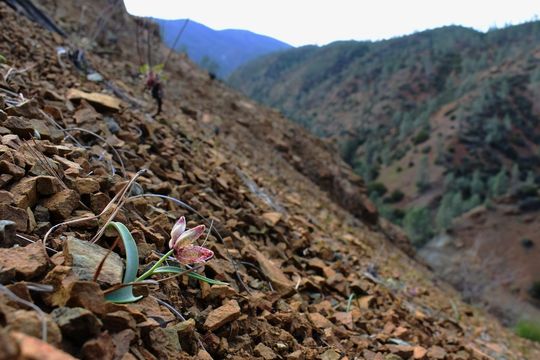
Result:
[77,324]
[122,342]
[62,204]
[330,355]
[11,169]
[319,321]
[224,314]
[86,185]
[100,101]
[279,280]
[436,352]
[6,198]
[164,343]
[204,355]
[85,294]
[25,193]
[119,320]
[272,218]
[85,257]
[296,355]
[47,185]
[4,179]
[18,216]
[9,348]
[32,349]
[101,348]
[419,352]
[23,262]
[265,352]
[344,318]
[30,323]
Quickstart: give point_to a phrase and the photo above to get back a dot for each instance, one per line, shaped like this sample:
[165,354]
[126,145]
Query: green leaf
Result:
[125,294]
[2,59]
[178,270]
[158,68]
[143,69]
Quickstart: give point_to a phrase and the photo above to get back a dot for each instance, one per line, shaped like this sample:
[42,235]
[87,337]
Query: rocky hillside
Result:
[310,268]
[437,123]
[218,51]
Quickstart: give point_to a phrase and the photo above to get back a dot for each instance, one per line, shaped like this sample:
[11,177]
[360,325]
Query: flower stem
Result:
[150,271]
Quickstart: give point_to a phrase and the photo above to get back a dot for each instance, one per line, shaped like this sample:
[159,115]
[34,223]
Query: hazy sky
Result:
[302,22]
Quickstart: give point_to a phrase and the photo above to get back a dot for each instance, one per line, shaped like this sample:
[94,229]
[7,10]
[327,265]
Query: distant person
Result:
[154,85]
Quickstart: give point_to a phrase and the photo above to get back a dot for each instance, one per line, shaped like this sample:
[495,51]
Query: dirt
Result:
[322,279]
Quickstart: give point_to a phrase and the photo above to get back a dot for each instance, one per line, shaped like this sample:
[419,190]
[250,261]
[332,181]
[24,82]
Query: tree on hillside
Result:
[417,224]
[498,185]
[422,177]
[477,185]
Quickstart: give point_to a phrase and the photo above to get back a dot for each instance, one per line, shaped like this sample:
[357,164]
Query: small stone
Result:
[296,355]
[119,320]
[18,216]
[77,324]
[164,342]
[392,357]
[204,355]
[7,233]
[272,218]
[436,352]
[10,348]
[62,204]
[30,323]
[265,352]
[4,179]
[98,100]
[419,352]
[330,355]
[30,346]
[85,257]
[25,193]
[6,198]
[86,185]
[101,348]
[11,169]
[319,321]
[47,185]
[23,263]
[279,280]
[222,315]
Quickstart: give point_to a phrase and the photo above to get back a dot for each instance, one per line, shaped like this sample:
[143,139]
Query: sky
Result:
[319,22]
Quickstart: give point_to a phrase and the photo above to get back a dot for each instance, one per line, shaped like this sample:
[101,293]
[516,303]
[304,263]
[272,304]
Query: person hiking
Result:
[154,85]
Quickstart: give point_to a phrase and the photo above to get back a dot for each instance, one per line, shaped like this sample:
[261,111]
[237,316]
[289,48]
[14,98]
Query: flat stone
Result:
[23,263]
[224,314]
[47,185]
[85,257]
[86,185]
[117,321]
[62,204]
[76,324]
[419,352]
[29,323]
[10,348]
[30,346]
[279,280]
[330,355]
[6,198]
[319,321]
[102,348]
[100,101]
[18,216]
[25,192]
[272,218]
[436,352]
[7,167]
[265,352]
[164,342]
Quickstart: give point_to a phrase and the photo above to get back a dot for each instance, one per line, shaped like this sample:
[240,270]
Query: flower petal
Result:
[177,230]
[193,254]
[189,236]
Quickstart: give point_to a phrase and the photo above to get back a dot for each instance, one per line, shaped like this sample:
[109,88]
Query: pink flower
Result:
[182,242]
[193,254]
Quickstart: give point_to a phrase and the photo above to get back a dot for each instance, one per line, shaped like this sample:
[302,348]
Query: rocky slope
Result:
[437,123]
[311,273]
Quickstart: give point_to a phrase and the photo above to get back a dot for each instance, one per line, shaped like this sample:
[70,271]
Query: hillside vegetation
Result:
[437,122]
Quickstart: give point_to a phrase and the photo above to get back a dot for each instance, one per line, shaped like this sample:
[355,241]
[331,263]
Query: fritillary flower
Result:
[182,242]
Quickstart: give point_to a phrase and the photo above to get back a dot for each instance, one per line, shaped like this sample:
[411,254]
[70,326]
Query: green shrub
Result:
[417,225]
[395,197]
[528,330]
[421,137]
[377,188]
